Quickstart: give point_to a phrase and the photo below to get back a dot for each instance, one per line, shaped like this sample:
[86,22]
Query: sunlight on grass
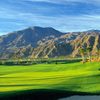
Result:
[72,77]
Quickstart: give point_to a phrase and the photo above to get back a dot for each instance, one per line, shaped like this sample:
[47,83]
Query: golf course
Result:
[72,77]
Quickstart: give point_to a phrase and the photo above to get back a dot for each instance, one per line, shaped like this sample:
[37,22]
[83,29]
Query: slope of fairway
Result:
[68,77]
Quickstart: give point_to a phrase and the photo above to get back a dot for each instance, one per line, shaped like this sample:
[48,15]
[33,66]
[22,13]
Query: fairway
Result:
[68,77]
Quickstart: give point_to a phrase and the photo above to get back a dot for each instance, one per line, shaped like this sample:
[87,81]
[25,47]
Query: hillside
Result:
[25,40]
[68,45]
[35,42]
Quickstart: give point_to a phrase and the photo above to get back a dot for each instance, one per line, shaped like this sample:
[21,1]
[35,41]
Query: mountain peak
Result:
[38,27]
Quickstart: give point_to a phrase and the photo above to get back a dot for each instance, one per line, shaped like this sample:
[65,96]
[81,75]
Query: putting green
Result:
[68,77]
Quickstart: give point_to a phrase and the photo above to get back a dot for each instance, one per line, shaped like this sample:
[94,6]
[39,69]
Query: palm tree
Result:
[89,49]
[98,53]
[82,52]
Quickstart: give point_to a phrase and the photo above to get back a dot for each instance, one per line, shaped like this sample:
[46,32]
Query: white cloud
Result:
[61,22]
[18,19]
[67,1]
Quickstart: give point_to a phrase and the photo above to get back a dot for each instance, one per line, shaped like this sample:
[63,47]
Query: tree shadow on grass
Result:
[40,95]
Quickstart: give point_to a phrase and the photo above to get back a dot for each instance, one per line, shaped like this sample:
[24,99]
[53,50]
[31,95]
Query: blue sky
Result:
[64,15]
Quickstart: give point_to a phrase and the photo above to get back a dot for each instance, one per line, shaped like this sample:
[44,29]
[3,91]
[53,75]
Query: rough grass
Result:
[68,77]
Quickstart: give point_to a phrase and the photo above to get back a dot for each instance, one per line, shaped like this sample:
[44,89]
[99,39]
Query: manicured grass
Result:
[68,77]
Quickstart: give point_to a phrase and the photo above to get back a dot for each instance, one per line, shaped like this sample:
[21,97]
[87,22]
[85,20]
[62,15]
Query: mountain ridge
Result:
[35,42]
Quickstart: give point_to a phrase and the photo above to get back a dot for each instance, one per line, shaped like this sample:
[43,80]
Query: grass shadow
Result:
[40,95]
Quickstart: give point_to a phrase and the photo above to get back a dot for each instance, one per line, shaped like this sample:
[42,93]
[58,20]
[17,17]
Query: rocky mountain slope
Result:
[47,42]
[68,45]
[25,40]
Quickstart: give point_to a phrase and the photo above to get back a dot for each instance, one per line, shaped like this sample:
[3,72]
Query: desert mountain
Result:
[26,39]
[35,42]
[68,44]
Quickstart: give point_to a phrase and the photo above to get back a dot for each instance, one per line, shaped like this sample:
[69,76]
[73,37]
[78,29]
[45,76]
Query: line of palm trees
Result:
[86,54]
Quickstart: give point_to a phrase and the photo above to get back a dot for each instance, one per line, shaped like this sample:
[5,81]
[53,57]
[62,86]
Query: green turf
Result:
[68,77]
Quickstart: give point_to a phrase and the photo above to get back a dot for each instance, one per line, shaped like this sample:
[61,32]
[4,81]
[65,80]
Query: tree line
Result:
[86,54]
